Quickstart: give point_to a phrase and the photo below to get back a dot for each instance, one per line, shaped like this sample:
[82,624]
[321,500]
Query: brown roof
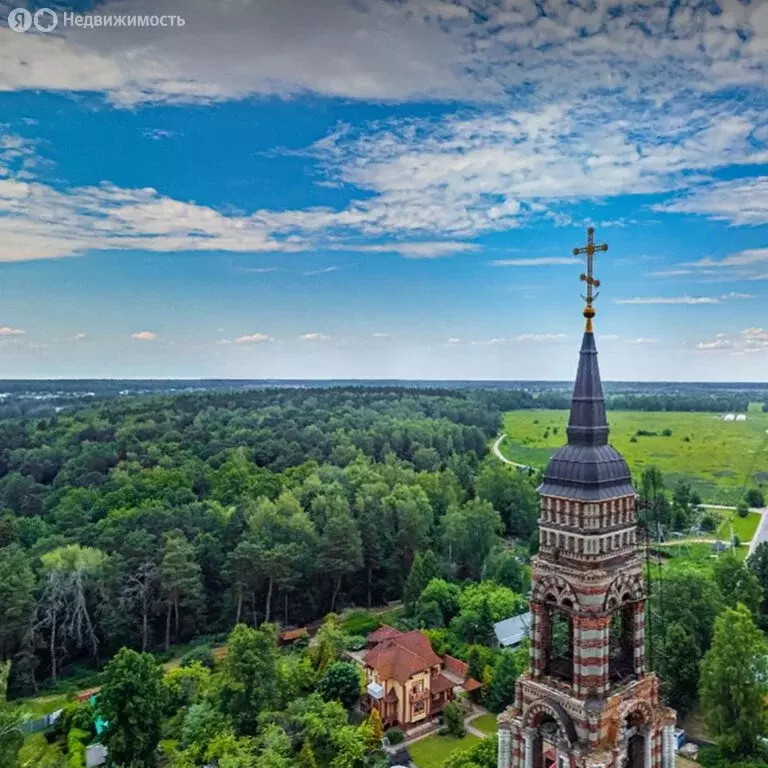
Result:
[401,657]
[470,684]
[440,683]
[293,634]
[384,632]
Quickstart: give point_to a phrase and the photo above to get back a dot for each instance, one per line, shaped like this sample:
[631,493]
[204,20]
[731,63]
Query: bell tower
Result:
[586,699]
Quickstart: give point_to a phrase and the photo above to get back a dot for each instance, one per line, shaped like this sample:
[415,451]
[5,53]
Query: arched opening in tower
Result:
[560,641]
[622,641]
[545,744]
[636,734]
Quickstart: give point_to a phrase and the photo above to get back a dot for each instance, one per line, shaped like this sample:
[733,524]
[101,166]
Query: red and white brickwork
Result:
[591,710]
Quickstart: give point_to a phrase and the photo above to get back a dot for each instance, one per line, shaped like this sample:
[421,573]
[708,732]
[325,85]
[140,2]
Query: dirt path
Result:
[501,457]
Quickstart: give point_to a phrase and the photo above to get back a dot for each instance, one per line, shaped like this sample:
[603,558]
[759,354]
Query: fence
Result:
[40,723]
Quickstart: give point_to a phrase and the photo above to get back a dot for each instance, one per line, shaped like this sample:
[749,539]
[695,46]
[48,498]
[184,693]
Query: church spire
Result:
[587,424]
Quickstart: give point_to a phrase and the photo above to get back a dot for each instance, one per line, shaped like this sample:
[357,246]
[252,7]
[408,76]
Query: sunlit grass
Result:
[713,455]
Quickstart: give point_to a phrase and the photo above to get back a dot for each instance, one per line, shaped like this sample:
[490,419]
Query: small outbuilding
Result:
[512,631]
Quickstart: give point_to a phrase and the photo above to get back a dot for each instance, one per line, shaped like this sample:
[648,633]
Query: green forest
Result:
[154,546]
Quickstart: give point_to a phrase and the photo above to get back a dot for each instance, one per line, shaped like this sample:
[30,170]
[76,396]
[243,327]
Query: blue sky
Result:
[286,188]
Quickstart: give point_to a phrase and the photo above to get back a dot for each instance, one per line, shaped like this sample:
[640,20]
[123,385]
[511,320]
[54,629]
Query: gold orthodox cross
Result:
[590,249]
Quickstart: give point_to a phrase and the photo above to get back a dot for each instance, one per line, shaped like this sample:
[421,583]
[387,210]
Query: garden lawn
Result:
[486,723]
[433,751]
[743,527]
[715,457]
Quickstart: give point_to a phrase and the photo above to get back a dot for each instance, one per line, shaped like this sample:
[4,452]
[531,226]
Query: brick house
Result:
[405,680]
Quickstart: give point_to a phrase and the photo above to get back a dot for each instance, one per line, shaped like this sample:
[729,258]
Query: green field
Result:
[433,751]
[743,527]
[715,458]
[486,723]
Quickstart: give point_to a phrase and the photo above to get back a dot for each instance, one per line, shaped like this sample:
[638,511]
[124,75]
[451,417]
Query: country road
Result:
[502,457]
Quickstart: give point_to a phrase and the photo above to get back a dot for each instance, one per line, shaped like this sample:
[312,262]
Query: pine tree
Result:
[180,578]
[377,729]
[307,756]
[423,570]
[484,633]
[474,663]
[502,690]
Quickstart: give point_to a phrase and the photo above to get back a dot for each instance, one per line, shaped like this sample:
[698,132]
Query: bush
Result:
[755,498]
[667,432]
[686,439]
[742,509]
[395,736]
[708,522]
[203,654]
[360,623]
[453,720]
[633,439]
[341,681]
[354,642]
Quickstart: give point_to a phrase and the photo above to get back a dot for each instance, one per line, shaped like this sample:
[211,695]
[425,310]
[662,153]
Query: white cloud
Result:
[643,340]
[395,51]
[669,300]
[672,272]
[536,262]
[737,201]
[314,337]
[454,340]
[735,295]
[253,338]
[740,259]
[79,336]
[7,330]
[563,104]
[144,335]
[323,271]
[715,344]
[381,335]
[523,337]
[156,134]
[424,250]
[538,337]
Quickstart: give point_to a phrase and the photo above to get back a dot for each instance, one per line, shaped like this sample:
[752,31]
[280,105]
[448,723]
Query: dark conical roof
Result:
[587,469]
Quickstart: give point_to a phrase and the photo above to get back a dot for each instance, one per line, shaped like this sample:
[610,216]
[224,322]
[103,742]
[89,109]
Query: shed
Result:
[511,632]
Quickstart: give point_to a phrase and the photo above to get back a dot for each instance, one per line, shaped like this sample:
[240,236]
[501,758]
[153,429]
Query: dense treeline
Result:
[144,521]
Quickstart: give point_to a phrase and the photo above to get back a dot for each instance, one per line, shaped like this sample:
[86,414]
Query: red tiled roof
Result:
[401,657]
[470,684]
[440,683]
[384,632]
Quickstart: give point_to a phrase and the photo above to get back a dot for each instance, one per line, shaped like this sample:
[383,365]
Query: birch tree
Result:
[63,613]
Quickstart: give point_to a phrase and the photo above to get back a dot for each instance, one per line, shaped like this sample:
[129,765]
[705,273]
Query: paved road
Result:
[761,534]
[502,457]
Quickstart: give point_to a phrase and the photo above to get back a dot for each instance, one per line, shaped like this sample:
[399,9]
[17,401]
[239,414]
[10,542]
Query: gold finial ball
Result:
[589,312]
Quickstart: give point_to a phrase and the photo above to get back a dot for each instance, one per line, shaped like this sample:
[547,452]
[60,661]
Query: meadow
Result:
[718,458]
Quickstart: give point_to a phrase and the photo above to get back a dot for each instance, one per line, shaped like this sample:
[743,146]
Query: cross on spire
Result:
[590,249]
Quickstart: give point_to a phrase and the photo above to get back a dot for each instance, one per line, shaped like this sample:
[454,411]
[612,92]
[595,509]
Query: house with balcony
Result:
[405,678]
